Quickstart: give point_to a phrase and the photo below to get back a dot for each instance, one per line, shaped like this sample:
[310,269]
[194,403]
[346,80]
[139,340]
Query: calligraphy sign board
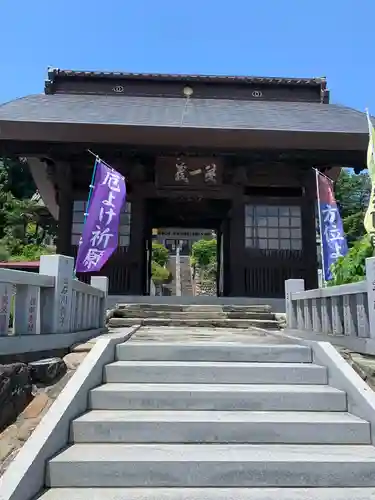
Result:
[189,172]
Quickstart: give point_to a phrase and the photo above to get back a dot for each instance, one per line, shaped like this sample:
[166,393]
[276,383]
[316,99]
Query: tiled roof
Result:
[199,113]
[54,73]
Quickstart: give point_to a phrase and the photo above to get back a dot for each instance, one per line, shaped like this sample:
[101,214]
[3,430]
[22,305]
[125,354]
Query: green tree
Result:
[160,254]
[352,194]
[159,273]
[204,253]
[17,179]
[23,222]
[351,268]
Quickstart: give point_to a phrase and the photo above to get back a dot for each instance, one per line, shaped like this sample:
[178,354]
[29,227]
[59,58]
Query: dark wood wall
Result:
[249,268]
[279,90]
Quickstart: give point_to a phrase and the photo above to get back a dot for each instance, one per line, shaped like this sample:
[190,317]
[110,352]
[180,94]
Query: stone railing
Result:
[51,302]
[178,272]
[343,315]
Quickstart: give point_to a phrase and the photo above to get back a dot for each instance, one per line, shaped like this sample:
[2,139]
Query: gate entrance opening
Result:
[198,219]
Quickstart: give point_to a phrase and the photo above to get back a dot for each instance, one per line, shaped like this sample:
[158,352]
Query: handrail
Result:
[344,314]
[51,301]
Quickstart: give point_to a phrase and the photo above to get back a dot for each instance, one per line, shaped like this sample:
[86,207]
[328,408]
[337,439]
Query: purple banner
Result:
[100,232]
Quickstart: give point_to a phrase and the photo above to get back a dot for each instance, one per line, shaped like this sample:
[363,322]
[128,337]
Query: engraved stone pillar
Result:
[6,294]
[56,303]
[101,282]
[26,310]
[292,286]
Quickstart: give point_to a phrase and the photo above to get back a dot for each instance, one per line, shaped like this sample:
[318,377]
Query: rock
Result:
[86,347]
[15,391]
[362,364]
[47,371]
[109,314]
[74,359]
[25,429]
[36,406]
[281,319]
[6,447]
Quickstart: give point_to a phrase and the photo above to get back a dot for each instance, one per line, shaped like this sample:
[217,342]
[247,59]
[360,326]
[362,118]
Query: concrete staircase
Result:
[185,273]
[215,421]
[194,316]
[171,266]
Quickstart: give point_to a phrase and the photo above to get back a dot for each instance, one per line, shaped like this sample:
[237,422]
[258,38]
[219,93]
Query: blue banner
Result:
[333,239]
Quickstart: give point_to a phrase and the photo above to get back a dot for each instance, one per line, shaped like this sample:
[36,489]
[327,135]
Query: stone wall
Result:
[15,391]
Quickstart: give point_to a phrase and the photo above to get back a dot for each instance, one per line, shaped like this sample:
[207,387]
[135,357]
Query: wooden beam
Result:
[65,201]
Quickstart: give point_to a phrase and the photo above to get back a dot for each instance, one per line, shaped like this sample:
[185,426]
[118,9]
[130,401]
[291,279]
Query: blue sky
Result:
[305,38]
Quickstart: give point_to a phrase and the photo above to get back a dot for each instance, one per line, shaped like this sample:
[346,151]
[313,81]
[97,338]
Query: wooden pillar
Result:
[309,246]
[65,201]
[237,245]
[137,249]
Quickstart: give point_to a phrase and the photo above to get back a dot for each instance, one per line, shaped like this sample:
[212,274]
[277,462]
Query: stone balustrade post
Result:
[292,286]
[101,282]
[56,302]
[26,310]
[6,298]
[370,286]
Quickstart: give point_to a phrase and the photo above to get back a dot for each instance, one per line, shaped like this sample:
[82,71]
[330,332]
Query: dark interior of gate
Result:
[233,154]
[195,212]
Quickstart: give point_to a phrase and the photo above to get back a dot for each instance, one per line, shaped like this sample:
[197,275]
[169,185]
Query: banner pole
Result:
[320,226]
[91,189]
[86,212]
[99,159]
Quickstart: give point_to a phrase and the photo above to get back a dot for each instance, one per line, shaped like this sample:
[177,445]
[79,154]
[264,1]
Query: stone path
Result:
[191,334]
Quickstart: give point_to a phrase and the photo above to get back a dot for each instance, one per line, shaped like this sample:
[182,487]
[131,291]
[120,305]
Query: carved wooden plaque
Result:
[189,173]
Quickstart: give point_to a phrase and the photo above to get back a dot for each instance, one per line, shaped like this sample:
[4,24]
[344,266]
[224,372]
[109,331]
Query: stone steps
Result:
[218,316]
[213,420]
[202,372]
[197,322]
[210,494]
[194,307]
[161,426]
[214,351]
[181,315]
[185,273]
[260,397]
[212,465]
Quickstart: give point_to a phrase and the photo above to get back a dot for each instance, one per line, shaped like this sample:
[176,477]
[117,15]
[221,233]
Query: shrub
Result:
[159,273]
[31,253]
[204,253]
[159,253]
[4,254]
[352,268]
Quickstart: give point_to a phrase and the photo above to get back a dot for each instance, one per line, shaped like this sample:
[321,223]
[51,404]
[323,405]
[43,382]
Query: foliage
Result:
[17,178]
[4,253]
[204,253]
[159,273]
[160,254]
[31,253]
[351,268]
[210,271]
[352,194]
[23,226]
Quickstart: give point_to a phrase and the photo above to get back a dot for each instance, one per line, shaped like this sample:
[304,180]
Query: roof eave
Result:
[186,137]
[56,73]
